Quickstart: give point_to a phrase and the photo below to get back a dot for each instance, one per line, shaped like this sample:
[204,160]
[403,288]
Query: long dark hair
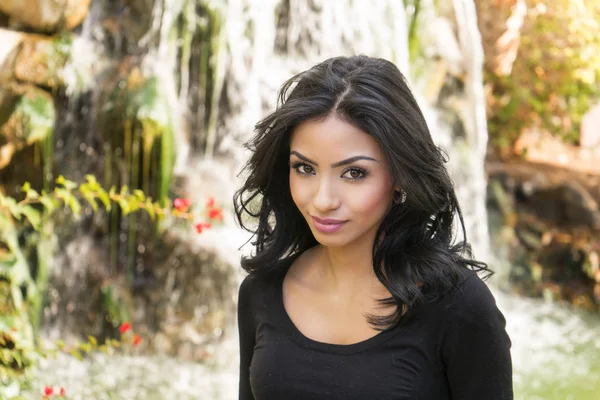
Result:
[414,255]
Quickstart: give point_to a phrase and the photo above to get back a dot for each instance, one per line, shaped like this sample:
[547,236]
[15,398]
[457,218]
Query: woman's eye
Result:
[355,174]
[302,169]
[305,169]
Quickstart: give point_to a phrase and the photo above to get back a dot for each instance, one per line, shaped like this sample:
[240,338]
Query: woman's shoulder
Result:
[471,299]
[254,284]
[265,284]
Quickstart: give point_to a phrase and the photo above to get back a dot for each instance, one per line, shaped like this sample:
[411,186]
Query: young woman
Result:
[357,289]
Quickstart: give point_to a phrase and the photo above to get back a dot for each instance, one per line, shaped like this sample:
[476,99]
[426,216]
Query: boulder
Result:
[9,43]
[35,59]
[41,61]
[47,15]
[545,223]
[26,116]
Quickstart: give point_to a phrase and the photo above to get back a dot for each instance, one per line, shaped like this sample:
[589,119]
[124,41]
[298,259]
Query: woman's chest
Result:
[397,369]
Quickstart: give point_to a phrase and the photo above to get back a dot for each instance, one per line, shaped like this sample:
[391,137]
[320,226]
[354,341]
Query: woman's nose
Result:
[326,197]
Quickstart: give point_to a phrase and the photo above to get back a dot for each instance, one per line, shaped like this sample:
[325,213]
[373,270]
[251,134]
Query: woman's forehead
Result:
[333,137]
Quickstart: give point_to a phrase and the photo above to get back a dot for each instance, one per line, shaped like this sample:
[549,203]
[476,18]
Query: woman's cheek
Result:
[298,191]
[372,199]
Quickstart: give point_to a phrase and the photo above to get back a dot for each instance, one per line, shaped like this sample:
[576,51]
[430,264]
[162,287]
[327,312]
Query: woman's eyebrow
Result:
[334,165]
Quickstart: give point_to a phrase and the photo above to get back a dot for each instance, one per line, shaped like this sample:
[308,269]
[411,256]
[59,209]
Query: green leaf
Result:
[133,202]
[92,340]
[124,206]
[104,198]
[32,215]
[86,347]
[93,183]
[91,199]
[18,358]
[150,208]
[75,353]
[49,203]
[12,206]
[66,183]
[32,194]
[140,195]
[72,203]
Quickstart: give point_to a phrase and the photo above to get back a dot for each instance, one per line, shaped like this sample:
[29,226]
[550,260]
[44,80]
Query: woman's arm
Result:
[476,347]
[247,339]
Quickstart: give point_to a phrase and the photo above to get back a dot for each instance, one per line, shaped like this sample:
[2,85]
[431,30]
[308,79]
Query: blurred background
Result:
[121,131]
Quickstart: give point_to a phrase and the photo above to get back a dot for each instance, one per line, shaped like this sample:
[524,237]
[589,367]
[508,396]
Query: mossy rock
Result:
[41,61]
[27,116]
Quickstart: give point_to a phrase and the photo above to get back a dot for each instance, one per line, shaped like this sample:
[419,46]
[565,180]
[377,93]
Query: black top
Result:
[456,348]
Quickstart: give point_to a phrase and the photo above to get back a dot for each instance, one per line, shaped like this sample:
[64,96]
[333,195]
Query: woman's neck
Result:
[349,268]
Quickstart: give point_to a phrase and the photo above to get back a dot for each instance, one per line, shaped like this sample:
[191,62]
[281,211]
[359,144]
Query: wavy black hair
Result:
[414,255]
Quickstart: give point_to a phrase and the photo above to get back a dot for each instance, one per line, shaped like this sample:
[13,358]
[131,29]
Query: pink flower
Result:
[125,327]
[211,202]
[182,205]
[48,391]
[200,226]
[215,213]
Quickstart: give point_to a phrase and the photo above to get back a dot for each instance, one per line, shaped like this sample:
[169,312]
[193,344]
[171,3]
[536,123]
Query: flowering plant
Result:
[20,293]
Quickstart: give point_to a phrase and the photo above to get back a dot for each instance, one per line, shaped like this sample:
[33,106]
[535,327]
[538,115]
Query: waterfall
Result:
[475,122]
[218,66]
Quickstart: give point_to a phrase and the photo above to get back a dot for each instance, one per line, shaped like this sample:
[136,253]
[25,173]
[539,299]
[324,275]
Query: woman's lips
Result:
[327,225]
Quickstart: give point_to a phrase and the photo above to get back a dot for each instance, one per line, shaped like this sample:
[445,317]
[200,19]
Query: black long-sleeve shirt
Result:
[456,348]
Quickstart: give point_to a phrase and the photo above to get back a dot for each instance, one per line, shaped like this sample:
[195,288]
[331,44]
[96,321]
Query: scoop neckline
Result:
[304,341]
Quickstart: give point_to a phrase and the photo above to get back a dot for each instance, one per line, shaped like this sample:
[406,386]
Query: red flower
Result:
[200,226]
[61,391]
[48,391]
[136,339]
[124,328]
[182,205]
[215,213]
[211,202]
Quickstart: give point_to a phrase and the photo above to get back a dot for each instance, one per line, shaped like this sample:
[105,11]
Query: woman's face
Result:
[339,172]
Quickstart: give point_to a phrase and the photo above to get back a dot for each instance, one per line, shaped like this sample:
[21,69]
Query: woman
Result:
[356,289]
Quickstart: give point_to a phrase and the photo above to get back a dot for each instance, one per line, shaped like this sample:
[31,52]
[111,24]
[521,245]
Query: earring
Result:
[396,198]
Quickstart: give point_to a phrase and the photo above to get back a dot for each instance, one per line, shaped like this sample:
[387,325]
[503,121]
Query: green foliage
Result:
[140,108]
[20,297]
[555,77]
[414,46]
[30,116]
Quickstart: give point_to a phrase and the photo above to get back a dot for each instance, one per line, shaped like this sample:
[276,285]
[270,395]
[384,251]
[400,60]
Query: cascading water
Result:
[255,46]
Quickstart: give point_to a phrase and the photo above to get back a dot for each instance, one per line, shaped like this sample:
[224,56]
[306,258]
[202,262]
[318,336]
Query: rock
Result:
[47,15]
[590,129]
[554,232]
[568,204]
[9,44]
[35,59]
[41,61]
[542,147]
[26,116]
